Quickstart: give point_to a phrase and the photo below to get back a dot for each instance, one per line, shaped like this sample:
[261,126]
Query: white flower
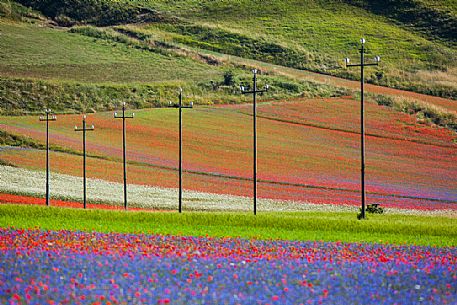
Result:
[21,181]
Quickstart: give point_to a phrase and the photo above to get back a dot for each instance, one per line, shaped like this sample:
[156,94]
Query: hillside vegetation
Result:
[86,69]
[416,39]
[433,18]
[85,56]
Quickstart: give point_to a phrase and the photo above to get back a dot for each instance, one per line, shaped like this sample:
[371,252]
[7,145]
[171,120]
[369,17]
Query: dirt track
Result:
[442,102]
[448,104]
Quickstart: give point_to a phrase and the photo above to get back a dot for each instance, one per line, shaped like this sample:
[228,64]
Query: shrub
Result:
[374,209]
[5,9]
[229,78]
[371,209]
[383,100]
[423,111]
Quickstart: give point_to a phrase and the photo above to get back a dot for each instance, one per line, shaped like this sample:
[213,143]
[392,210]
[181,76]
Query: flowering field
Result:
[322,113]
[308,151]
[65,267]
[66,192]
[30,200]
[100,193]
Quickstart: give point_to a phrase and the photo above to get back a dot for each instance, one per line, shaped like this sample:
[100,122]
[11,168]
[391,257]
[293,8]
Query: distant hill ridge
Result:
[435,21]
[97,12]
[428,17]
[128,44]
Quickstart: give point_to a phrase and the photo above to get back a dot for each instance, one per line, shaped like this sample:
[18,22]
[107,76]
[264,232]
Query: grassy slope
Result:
[433,19]
[128,71]
[34,52]
[327,32]
[310,34]
[45,65]
[71,72]
[445,5]
[437,231]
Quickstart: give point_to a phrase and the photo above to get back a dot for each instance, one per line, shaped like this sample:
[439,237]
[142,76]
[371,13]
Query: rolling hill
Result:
[89,56]
[416,39]
[308,152]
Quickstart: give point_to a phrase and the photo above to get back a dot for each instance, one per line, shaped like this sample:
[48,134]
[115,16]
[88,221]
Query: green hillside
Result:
[317,35]
[45,53]
[74,72]
[416,39]
[431,17]
[90,68]
[88,55]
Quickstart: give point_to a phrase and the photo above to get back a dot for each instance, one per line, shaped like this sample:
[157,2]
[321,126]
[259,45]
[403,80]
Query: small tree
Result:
[229,78]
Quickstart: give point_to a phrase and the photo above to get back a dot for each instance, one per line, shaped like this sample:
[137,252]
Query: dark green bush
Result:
[371,209]
[374,209]
[229,78]
[383,100]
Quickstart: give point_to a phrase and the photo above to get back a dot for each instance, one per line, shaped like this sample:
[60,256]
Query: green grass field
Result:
[71,72]
[396,229]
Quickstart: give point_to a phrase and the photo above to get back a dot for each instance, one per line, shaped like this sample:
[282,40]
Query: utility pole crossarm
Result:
[44,119]
[265,89]
[175,105]
[124,116]
[131,116]
[365,65]
[90,128]
[362,63]
[256,91]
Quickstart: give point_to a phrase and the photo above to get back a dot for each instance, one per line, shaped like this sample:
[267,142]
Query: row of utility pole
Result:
[85,128]
[254,91]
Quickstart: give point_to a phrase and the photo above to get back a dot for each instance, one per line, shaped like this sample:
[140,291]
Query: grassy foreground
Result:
[322,226]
